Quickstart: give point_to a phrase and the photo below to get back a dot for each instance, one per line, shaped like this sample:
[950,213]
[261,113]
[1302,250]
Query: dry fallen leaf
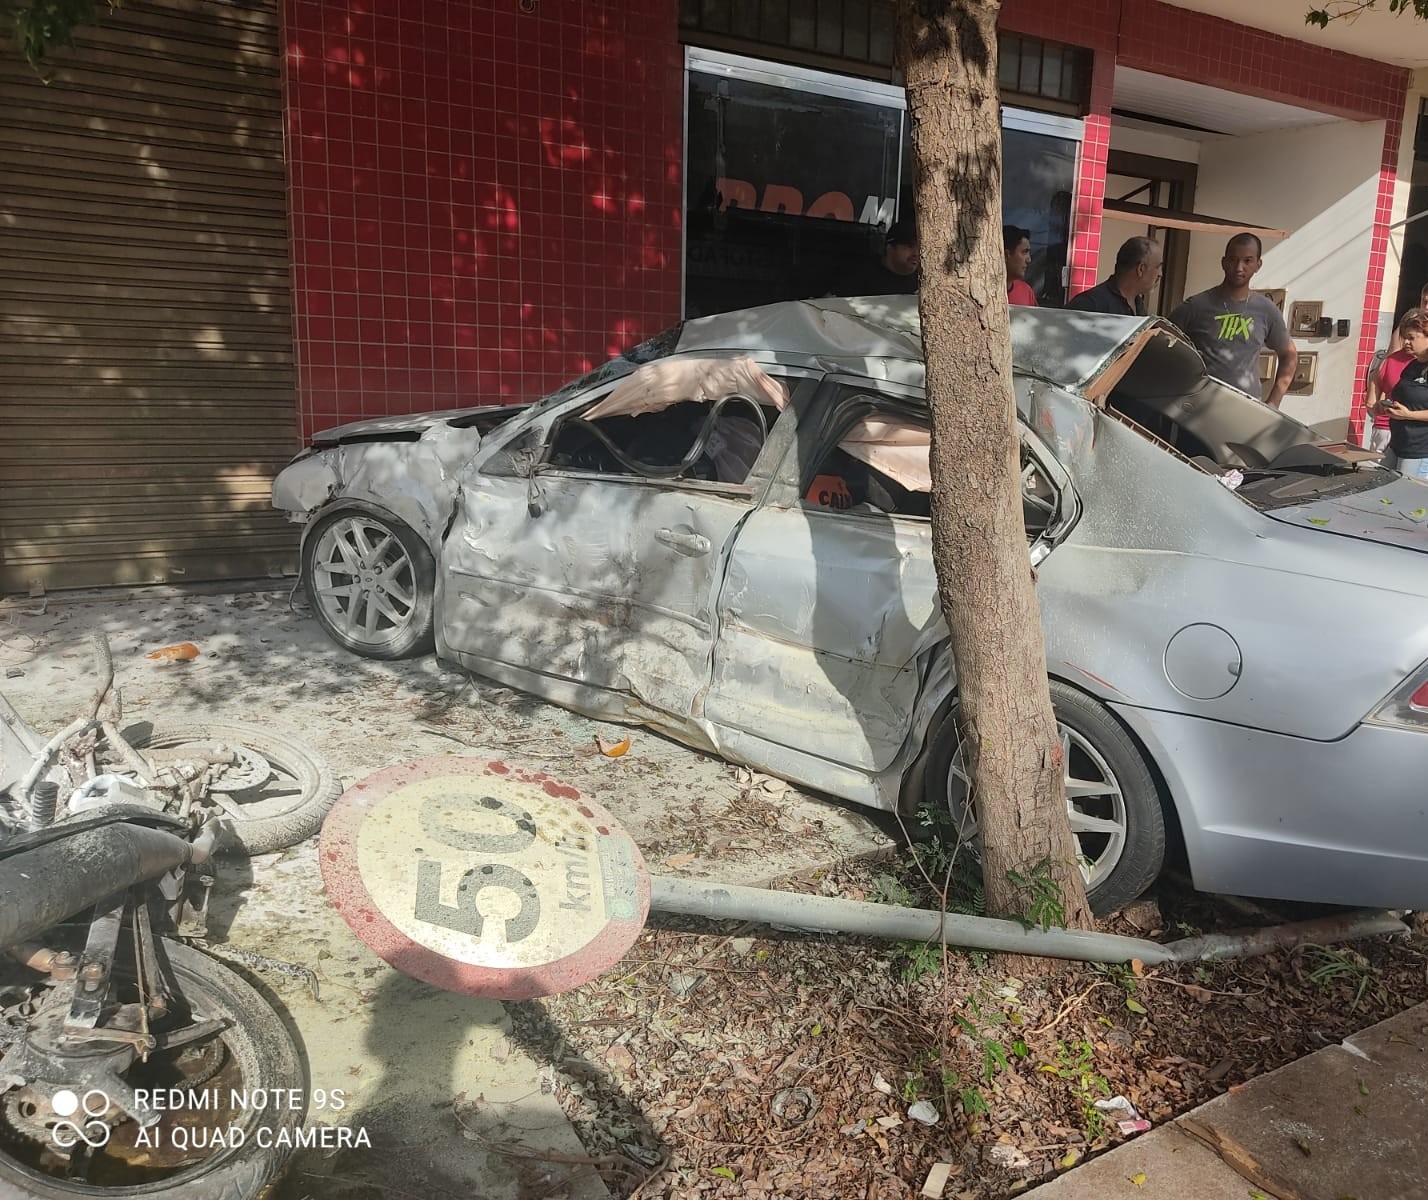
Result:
[1137,968]
[679,860]
[1138,1178]
[613,749]
[180,652]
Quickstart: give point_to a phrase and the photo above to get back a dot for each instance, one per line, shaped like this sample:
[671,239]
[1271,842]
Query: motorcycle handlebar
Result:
[104,667]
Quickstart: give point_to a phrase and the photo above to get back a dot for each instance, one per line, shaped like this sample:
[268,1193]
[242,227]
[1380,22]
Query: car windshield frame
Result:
[662,345]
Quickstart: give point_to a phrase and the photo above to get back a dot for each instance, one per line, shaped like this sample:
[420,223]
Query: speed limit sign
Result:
[479,877]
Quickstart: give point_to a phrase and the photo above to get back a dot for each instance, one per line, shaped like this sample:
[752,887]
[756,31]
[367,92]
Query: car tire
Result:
[1101,754]
[371,581]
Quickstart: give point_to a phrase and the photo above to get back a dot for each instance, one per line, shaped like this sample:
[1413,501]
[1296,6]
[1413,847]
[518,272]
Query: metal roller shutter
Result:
[146,377]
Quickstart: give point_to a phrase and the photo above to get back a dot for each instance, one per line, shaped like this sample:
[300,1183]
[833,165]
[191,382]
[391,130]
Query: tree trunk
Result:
[948,51]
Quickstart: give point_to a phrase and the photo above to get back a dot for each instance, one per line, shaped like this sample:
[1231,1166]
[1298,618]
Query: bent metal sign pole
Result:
[479,877]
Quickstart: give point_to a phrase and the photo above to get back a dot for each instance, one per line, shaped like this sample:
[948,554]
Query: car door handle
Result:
[686,543]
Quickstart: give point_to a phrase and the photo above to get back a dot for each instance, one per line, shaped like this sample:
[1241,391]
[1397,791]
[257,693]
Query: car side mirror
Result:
[518,458]
[535,495]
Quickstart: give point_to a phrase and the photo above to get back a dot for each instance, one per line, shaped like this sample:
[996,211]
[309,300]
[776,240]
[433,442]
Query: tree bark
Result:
[948,52]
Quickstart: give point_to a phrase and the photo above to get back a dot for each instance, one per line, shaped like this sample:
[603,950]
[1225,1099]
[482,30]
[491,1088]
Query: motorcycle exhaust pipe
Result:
[41,887]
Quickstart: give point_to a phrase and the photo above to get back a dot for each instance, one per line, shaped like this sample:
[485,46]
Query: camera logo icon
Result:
[82,1119]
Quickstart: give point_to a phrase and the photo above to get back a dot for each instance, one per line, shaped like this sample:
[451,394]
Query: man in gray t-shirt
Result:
[1230,325]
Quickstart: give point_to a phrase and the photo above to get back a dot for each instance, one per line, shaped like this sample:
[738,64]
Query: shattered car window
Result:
[1276,459]
[657,347]
[703,418]
[847,484]
[689,440]
[882,463]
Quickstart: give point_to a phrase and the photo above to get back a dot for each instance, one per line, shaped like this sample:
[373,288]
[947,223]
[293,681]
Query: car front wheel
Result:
[371,581]
[1111,797]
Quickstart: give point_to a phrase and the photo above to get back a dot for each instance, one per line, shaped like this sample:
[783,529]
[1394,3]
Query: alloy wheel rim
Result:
[363,581]
[1095,805]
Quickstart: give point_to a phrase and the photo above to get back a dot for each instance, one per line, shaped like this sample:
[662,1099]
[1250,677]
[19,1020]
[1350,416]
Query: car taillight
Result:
[1407,708]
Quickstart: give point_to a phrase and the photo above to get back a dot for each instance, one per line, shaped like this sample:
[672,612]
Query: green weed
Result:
[1343,966]
[1045,906]
[1075,1064]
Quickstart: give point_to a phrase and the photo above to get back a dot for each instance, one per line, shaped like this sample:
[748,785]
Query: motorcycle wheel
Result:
[270,814]
[258,1053]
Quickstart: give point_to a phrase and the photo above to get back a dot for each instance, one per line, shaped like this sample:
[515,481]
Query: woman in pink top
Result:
[1383,375]
[1016,242]
[1380,388]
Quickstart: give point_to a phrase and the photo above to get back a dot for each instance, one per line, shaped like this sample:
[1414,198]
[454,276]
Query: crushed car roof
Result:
[1062,347]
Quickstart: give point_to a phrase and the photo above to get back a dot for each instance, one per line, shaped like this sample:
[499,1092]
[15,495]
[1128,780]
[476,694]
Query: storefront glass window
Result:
[787,191]
[1038,180]
[793,177]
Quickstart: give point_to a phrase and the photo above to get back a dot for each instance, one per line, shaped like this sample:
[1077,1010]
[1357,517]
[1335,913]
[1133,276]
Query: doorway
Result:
[1145,181]
[1413,270]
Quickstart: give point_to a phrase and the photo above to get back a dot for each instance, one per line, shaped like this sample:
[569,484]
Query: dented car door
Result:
[830,611]
[824,615]
[594,589]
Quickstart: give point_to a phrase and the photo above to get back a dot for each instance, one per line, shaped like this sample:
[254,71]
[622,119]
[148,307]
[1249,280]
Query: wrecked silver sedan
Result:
[725,536]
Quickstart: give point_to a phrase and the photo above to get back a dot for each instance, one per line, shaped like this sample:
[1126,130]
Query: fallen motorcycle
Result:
[272,790]
[130,1063]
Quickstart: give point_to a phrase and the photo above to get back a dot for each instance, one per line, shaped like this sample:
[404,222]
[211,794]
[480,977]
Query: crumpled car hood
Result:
[486,417]
[1393,515]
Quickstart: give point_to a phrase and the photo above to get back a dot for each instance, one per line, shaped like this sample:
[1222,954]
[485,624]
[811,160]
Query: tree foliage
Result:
[1347,10]
[39,26]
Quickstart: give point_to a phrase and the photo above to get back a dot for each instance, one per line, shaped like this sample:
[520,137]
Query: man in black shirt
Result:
[892,273]
[1138,264]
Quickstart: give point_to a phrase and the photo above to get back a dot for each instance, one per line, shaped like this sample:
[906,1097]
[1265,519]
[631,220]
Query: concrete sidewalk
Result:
[454,1105]
[1349,1122]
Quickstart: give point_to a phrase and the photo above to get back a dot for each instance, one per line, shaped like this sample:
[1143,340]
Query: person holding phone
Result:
[1408,401]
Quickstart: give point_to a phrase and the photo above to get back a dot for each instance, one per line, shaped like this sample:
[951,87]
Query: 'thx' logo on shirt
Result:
[1234,326]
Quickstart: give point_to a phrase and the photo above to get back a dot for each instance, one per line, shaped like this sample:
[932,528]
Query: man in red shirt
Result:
[1017,244]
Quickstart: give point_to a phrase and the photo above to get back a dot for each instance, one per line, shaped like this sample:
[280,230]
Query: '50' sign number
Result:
[436,818]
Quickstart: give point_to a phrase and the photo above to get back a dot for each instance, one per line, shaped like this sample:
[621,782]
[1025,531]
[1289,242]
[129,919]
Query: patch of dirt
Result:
[749,1062]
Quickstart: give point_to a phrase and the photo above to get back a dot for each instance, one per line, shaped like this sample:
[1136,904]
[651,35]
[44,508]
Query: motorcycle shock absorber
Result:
[44,799]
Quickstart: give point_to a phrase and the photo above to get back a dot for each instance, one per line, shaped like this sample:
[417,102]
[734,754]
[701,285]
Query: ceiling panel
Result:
[1200,106]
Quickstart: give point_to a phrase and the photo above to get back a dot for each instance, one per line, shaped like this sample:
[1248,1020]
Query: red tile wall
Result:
[1378,262]
[1091,178]
[1189,45]
[1092,23]
[483,202]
